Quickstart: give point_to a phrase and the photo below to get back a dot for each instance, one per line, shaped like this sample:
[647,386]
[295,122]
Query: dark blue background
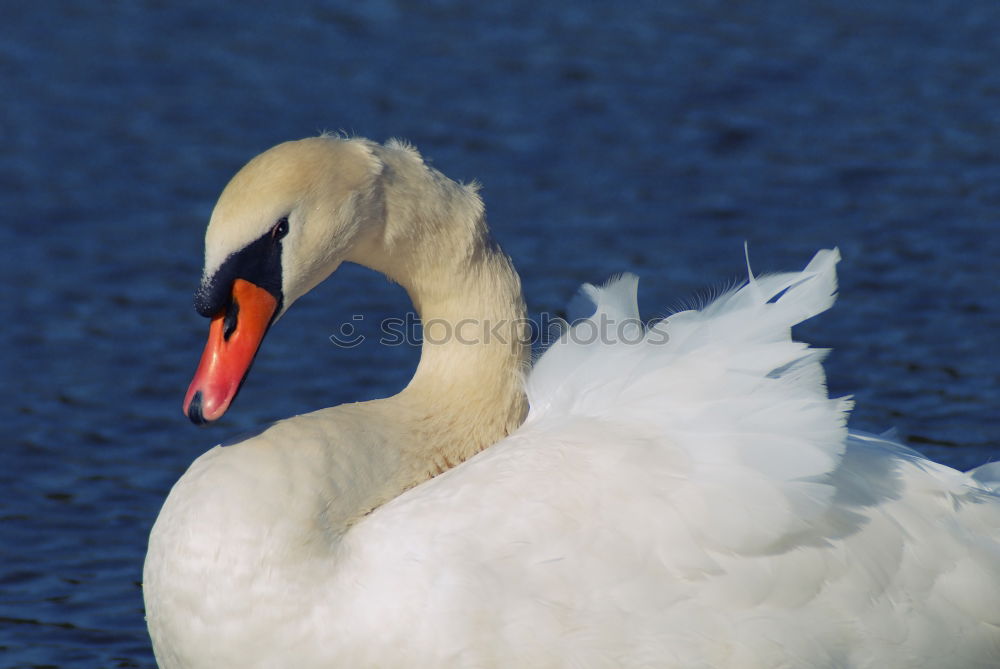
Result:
[655,137]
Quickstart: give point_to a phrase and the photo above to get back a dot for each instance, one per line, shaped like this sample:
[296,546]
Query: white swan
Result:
[692,499]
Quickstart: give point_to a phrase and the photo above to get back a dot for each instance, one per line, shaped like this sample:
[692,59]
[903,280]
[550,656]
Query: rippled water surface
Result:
[654,138]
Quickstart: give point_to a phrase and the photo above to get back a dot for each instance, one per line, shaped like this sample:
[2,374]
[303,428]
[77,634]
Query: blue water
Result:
[654,138]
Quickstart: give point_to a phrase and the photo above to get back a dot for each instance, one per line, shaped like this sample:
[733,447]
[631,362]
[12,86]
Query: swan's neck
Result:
[468,384]
[245,519]
[467,391]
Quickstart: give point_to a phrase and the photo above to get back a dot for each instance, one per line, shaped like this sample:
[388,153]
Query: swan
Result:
[679,495]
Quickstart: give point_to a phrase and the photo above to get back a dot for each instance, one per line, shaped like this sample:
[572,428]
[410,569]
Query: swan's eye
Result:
[280,228]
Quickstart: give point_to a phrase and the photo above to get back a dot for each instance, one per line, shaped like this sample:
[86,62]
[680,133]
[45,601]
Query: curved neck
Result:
[247,518]
[467,392]
[472,361]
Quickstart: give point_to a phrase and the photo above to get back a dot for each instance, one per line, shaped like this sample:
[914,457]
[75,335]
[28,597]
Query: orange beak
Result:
[233,339]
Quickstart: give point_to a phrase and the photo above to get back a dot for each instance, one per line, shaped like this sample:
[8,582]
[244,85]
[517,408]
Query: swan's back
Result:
[690,500]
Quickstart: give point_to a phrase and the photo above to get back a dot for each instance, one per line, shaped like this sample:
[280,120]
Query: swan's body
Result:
[690,500]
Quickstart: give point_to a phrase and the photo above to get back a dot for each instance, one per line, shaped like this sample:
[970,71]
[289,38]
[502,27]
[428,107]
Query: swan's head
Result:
[282,225]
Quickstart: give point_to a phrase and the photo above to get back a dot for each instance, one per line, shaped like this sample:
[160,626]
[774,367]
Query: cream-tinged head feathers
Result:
[295,212]
[326,187]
